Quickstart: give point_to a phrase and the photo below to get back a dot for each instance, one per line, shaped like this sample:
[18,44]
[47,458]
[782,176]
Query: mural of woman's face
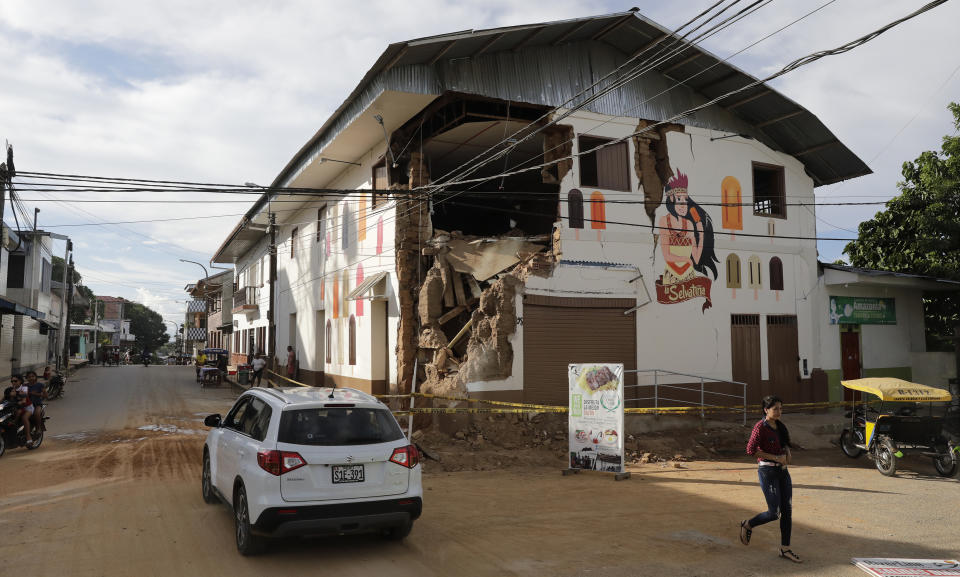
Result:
[680,201]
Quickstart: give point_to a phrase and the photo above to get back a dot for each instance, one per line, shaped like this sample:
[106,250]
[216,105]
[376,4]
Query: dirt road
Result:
[124,499]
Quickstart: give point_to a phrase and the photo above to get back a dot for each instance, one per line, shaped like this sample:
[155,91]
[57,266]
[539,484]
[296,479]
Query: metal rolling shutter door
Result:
[559,331]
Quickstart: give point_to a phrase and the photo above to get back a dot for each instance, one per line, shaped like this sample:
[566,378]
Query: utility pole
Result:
[68,293]
[96,329]
[64,314]
[7,172]
[271,321]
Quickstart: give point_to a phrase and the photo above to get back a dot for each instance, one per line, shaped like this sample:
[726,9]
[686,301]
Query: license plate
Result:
[347,474]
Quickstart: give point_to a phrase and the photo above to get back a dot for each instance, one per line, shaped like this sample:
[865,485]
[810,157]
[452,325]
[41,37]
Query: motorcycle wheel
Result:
[885,459]
[3,446]
[848,444]
[37,435]
[945,464]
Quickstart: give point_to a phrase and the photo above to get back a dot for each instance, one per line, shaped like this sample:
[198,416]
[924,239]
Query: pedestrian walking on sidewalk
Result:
[770,443]
[259,363]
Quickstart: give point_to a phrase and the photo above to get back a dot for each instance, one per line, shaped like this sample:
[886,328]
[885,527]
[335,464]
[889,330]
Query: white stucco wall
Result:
[305,284]
[683,336]
[252,320]
[882,346]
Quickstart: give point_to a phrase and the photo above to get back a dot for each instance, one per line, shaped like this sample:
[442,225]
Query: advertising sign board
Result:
[596,416]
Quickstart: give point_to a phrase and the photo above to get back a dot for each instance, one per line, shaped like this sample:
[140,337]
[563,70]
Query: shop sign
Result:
[862,311]
[596,416]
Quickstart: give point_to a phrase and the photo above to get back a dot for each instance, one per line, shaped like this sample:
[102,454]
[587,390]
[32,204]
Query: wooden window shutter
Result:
[776,274]
[575,208]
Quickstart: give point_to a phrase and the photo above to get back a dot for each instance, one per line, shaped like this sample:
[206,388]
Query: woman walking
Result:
[770,443]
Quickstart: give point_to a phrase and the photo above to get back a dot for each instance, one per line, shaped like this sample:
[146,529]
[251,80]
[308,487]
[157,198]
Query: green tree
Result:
[919,232]
[147,325]
[83,314]
[78,314]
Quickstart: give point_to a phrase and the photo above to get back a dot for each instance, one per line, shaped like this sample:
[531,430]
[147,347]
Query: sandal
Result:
[745,532]
[788,554]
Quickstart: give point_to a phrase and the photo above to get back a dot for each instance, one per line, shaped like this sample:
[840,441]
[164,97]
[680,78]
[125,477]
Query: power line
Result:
[691,77]
[640,224]
[637,71]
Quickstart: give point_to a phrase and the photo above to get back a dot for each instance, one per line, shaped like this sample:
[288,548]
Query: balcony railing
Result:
[246,299]
[196,334]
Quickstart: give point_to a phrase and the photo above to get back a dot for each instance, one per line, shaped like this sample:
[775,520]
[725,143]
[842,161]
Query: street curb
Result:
[236,384]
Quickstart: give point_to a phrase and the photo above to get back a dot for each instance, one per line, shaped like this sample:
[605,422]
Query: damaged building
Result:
[488,206]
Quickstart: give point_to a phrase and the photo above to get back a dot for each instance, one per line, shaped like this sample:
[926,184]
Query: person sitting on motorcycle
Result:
[145,356]
[26,407]
[38,395]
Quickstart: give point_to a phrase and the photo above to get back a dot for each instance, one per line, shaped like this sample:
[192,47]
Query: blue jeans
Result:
[778,491]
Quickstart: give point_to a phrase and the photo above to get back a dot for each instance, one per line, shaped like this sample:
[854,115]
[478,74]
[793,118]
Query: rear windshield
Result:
[338,426]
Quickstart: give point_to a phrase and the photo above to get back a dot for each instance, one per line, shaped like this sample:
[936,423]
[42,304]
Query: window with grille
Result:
[769,194]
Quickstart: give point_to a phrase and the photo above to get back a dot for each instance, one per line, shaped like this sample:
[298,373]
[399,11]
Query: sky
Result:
[228,91]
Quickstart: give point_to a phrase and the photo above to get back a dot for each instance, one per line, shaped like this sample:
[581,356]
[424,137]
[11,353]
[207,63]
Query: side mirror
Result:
[212,420]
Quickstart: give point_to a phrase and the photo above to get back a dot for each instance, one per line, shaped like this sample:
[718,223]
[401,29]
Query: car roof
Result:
[319,396]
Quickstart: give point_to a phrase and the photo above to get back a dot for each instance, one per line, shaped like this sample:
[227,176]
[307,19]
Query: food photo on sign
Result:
[596,417]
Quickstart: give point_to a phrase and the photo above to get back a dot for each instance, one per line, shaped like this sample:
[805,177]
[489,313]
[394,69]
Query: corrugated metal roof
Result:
[880,273]
[548,63]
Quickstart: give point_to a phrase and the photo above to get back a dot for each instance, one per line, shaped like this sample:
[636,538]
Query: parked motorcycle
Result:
[55,386]
[12,433]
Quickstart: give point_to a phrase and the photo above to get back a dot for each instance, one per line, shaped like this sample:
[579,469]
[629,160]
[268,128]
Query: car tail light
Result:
[408,456]
[279,462]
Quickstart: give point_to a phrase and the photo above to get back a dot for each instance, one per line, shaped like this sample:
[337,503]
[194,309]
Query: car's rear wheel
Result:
[247,543]
[399,532]
[885,458]
[207,482]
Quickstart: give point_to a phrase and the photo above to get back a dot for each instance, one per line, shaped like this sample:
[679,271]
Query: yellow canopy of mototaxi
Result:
[890,389]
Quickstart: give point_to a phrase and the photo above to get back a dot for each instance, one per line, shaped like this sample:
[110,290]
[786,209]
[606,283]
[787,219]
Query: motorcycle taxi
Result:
[887,422]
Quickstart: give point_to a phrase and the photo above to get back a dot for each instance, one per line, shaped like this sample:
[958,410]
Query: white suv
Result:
[311,461]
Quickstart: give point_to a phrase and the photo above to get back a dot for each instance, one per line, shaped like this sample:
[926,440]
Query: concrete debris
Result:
[466,320]
[484,258]
[557,143]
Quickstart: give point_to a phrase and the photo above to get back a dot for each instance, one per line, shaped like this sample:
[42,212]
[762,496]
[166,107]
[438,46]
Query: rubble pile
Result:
[466,306]
[505,441]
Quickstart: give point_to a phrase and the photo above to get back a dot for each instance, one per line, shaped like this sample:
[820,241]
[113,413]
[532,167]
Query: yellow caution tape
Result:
[296,383]
[534,408]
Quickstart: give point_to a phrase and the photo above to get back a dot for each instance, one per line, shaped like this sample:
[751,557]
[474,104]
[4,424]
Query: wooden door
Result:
[850,359]
[745,352]
[783,355]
